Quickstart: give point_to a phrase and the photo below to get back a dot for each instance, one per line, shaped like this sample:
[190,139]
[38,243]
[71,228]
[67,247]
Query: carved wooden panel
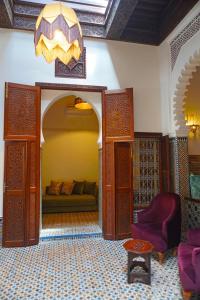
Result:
[108,192]
[117,109]
[119,115]
[22,165]
[74,69]
[33,193]
[109,160]
[32,220]
[15,229]
[15,165]
[21,113]
[33,164]
[14,194]
[123,189]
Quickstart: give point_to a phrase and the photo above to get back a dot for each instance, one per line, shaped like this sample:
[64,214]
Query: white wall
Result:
[113,64]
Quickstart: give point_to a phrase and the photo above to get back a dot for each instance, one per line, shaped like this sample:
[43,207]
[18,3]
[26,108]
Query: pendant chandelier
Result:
[58,33]
[80,104]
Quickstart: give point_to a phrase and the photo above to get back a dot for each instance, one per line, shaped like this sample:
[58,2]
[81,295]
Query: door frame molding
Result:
[74,87]
[83,88]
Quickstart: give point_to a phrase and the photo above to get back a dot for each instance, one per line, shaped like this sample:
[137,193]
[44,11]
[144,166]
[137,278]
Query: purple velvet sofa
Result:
[189,263]
[160,223]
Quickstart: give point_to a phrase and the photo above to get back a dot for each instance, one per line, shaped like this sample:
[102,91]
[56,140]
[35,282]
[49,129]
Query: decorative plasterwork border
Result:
[179,95]
[181,39]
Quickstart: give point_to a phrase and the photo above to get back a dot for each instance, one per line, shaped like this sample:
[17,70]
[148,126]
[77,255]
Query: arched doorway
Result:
[180,93]
[70,160]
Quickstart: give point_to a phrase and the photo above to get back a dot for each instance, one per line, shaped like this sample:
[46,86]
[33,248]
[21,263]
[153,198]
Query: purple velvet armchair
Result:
[160,223]
[189,263]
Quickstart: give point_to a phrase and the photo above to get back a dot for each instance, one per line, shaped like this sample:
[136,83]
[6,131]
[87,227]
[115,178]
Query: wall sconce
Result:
[192,121]
[193,128]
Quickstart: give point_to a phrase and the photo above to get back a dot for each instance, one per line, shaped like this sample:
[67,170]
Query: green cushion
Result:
[195,186]
[78,187]
[89,188]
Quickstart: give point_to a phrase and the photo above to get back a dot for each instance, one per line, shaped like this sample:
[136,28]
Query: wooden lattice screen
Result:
[146,168]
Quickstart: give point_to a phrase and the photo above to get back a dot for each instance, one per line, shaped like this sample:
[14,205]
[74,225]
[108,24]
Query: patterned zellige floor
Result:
[80,269]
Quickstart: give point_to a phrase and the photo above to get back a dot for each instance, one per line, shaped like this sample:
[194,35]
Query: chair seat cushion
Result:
[186,270]
[150,232]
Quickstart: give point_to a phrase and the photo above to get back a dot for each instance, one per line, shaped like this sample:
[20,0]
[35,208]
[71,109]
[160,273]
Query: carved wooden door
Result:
[123,189]
[117,128]
[21,207]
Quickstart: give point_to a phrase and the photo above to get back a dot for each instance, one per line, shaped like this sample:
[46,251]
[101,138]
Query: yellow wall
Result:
[192,110]
[71,152]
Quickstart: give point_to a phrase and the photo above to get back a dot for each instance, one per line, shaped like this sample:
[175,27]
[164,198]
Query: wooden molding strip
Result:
[71,87]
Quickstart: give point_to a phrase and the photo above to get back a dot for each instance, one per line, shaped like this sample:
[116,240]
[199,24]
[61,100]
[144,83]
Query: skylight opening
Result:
[92,6]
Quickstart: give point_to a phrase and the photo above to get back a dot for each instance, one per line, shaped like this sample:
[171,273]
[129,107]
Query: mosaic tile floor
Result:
[80,269]
[69,224]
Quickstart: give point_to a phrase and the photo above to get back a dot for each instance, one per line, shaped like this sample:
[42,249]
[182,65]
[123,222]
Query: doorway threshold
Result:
[69,225]
[71,236]
[71,233]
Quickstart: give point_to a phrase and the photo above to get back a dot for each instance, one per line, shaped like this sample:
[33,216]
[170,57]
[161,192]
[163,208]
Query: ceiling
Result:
[139,21]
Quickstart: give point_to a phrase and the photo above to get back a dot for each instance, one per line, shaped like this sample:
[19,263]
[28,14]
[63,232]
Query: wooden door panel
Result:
[123,189]
[22,122]
[108,192]
[33,193]
[15,155]
[21,115]
[32,222]
[14,194]
[118,111]
[117,107]
[13,232]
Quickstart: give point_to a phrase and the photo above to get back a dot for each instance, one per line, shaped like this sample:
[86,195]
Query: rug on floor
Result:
[81,269]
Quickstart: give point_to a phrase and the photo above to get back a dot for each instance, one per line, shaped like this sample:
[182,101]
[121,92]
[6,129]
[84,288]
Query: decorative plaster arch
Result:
[179,94]
[54,96]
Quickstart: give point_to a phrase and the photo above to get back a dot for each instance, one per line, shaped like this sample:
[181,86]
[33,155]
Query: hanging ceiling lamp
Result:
[58,33]
[80,104]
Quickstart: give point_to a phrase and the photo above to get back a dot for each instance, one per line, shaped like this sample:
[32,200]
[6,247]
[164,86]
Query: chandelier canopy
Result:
[58,33]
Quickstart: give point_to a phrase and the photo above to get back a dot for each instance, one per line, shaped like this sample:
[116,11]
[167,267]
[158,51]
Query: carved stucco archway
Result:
[179,94]
[180,142]
[49,97]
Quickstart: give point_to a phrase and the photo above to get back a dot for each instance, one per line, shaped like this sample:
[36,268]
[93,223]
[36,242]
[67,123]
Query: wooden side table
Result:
[139,270]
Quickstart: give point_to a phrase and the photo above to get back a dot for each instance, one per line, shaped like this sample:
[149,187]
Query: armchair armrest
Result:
[196,263]
[193,237]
